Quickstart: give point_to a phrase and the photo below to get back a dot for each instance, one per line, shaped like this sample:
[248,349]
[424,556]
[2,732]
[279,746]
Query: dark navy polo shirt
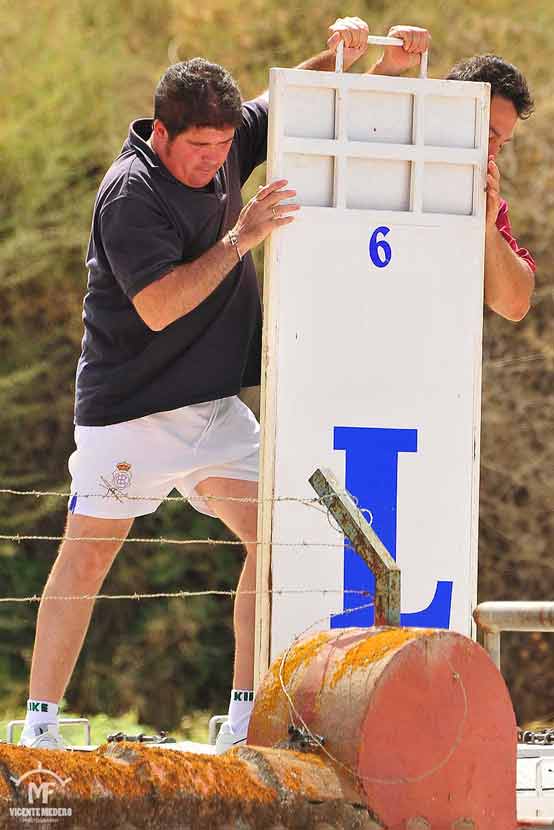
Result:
[145,223]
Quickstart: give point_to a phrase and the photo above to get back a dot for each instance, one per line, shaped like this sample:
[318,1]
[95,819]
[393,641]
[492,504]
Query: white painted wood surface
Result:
[349,344]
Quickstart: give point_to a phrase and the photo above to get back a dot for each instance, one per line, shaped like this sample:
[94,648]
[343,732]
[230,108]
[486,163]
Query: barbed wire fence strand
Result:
[183,594]
[18,537]
[318,503]
[105,495]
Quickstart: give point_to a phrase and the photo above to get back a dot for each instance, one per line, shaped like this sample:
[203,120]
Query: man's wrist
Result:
[381,67]
[348,63]
[324,62]
[491,226]
[233,239]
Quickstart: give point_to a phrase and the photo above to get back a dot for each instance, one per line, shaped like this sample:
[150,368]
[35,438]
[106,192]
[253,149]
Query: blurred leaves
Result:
[74,75]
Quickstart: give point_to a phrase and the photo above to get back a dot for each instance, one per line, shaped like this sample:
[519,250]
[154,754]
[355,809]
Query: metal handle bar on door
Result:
[376,40]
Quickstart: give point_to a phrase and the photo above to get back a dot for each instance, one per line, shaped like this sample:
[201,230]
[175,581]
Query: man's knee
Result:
[88,561]
[235,502]
[90,545]
[247,522]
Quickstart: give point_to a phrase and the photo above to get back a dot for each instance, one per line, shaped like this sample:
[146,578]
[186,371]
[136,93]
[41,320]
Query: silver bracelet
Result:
[233,238]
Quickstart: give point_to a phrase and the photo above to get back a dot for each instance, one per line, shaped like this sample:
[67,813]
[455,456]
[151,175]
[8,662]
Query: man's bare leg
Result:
[79,569]
[241,518]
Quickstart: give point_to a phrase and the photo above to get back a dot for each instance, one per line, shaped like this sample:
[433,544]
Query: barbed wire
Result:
[162,540]
[240,499]
[319,503]
[316,502]
[186,594]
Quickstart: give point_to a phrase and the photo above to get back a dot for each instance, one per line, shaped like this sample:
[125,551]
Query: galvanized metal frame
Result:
[84,722]
[495,617]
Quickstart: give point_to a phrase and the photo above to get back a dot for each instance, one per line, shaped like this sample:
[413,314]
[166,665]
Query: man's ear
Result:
[159,129]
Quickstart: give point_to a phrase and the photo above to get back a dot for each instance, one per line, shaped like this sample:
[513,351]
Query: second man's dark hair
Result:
[197,93]
[505,79]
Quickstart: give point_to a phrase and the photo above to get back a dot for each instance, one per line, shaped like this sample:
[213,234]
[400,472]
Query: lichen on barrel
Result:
[286,666]
[373,648]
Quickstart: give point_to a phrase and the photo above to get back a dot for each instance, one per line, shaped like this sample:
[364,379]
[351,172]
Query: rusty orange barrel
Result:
[420,717]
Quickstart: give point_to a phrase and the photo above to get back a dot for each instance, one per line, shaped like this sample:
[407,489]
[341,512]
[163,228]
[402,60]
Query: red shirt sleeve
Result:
[505,228]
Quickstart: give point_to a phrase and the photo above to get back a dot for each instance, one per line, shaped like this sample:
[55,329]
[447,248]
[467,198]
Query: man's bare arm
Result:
[395,60]
[354,32]
[188,285]
[184,288]
[509,281]
[324,62]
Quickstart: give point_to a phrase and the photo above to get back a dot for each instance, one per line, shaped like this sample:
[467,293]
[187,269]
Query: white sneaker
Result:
[226,739]
[42,736]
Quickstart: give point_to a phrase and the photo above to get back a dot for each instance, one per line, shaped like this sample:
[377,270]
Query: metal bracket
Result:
[377,40]
[300,740]
[366,543]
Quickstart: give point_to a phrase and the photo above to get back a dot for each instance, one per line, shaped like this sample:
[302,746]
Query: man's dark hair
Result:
[505,79]
[197,93]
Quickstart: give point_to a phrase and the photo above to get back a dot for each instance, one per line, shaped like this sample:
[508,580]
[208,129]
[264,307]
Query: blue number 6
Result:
[379,250]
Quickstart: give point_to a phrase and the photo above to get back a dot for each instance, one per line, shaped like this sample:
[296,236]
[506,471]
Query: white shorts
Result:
[125,470]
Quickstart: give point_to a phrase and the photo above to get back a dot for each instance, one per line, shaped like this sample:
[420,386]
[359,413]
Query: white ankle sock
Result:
[41,711]
[240,709]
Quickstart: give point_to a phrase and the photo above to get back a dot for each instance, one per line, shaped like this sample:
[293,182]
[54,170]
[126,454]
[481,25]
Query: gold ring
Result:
[274,212]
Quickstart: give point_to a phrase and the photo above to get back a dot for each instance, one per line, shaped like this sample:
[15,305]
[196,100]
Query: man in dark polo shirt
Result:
[172,332]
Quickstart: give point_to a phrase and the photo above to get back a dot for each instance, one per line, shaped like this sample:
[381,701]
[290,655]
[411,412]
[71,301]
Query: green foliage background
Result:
[74,75]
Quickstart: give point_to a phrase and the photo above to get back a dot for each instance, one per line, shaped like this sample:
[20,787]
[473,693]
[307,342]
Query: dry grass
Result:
[76,72]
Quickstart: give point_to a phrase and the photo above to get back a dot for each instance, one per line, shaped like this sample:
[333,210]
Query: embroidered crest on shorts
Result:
[122,477]
[120,481]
